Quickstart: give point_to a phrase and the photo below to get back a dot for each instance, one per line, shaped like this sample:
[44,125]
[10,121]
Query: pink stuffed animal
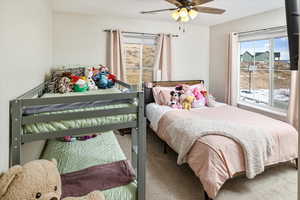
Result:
[198,95]
[200,99]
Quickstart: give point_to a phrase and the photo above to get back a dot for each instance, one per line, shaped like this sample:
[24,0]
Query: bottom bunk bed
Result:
[79,155]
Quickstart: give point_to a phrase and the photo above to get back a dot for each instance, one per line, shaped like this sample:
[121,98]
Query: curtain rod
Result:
[140,33]
[264,29]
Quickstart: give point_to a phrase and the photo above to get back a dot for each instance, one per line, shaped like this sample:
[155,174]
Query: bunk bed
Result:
[37,115]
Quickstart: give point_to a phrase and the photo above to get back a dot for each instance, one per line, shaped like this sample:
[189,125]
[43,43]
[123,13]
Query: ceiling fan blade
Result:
[175,2]
[199,2]
[157,11]
[209,10]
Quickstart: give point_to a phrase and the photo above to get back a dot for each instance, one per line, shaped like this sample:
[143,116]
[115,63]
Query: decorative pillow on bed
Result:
[162,95]
[200,86]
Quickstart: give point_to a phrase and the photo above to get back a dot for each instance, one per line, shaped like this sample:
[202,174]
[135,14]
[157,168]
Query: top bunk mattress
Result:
[44,127]
[60,107]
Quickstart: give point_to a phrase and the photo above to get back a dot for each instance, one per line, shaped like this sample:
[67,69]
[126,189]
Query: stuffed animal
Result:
[204,93]
[80,84]
[38,179]
[104,79]
[175,100]
[196,92]
[200,100]
[187,102]
[68,139]
[210,101]
[91,82]
[180,89]
[65,85]
[86,137]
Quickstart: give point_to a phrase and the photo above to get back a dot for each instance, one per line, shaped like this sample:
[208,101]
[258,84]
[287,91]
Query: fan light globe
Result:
[193,14]
[184,19]
[175,15]
[183,12]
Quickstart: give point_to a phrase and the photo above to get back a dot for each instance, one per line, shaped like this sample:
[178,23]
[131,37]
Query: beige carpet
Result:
[167,181]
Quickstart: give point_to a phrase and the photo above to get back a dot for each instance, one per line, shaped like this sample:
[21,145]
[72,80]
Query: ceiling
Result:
[131,8]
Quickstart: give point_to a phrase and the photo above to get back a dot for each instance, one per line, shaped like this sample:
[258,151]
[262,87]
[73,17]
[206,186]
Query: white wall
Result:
[25,56]
[79,39]
[219,44]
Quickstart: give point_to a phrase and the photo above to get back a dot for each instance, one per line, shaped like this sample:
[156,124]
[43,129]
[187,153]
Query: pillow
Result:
[201,86]
[162,95]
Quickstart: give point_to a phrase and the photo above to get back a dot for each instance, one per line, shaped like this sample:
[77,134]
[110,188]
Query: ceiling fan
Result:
[187,9]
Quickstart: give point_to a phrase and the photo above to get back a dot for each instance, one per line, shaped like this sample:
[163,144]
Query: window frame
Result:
[270,106]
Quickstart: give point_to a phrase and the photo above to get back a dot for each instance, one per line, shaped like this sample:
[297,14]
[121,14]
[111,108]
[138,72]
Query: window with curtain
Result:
[264,75]
[139,57]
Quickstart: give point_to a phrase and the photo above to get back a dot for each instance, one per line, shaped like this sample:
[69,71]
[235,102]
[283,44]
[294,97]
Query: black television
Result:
[292,17]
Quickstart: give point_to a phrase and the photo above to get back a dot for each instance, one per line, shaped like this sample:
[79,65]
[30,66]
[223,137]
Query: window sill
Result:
[263,110]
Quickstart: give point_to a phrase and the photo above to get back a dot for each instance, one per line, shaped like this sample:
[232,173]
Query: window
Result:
[139,58]
[265,72]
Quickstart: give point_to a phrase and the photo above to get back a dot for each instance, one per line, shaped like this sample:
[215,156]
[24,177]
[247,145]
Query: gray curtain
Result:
[163,66]
[116,54]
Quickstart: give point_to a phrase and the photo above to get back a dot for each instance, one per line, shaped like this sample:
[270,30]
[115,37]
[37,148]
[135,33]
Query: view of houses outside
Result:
[139,63]
[265,80]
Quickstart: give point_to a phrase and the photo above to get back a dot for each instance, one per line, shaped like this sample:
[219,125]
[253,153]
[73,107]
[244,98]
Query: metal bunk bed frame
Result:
[138,127]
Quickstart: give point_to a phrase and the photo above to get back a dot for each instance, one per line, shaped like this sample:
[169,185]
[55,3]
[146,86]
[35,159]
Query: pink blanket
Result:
[214,158]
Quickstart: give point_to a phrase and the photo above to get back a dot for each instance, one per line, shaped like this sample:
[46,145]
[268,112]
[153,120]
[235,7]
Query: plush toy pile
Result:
[36,180]
[92,79]
[187,97]
[80,79]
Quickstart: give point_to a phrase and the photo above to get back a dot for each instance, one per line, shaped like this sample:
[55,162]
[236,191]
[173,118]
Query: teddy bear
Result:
[187,102]
[38,179]
[175,100]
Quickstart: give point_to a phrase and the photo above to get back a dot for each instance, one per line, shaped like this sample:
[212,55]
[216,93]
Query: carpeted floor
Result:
[168,181]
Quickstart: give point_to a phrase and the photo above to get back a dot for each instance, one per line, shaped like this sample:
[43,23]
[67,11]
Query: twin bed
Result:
[221,142]
[37,115]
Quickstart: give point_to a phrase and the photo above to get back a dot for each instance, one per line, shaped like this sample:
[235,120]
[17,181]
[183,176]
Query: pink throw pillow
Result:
[162,95]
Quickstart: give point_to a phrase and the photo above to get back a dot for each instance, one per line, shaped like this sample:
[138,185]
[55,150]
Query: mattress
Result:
[60,107]
[215,158]
[154,112]
[78,123]
[79,155]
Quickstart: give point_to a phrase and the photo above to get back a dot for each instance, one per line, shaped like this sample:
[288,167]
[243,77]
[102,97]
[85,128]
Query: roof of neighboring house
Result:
[260,54]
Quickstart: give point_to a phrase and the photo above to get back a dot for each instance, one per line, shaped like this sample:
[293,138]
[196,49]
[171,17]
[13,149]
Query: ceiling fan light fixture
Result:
[175,15]
[193,14]
[184,19]
[183,12]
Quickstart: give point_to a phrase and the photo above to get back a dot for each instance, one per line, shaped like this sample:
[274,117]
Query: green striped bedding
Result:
[80,123]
